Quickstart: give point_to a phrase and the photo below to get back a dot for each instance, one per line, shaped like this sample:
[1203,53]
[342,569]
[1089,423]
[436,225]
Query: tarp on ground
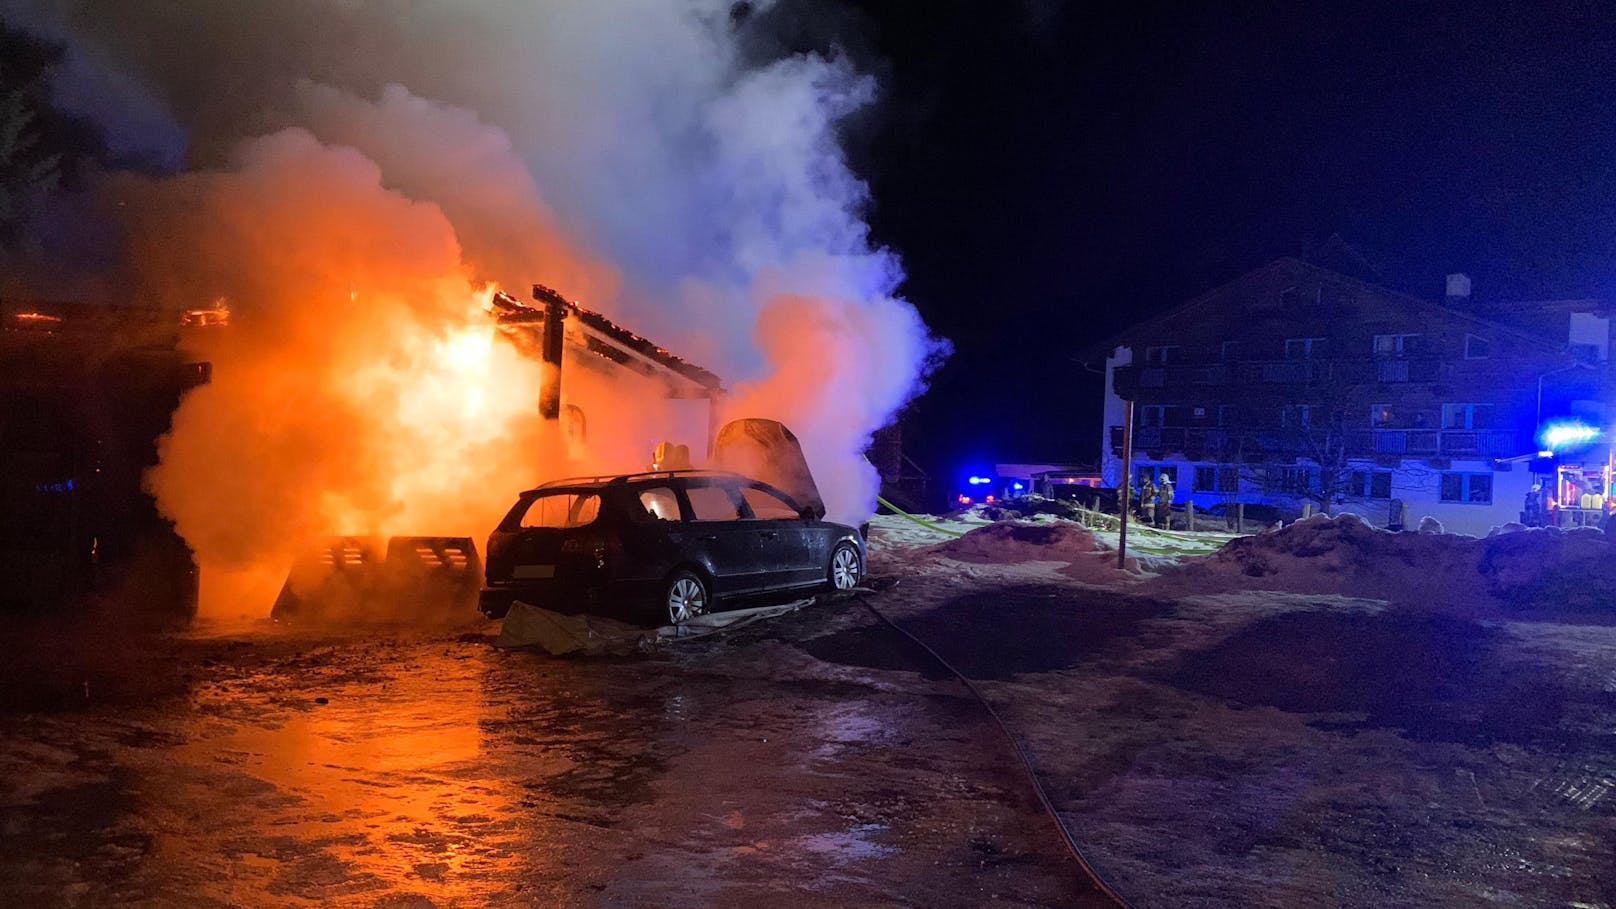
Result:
[529,626]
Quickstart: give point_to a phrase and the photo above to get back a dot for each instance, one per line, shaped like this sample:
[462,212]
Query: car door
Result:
[785,542]
[719,537]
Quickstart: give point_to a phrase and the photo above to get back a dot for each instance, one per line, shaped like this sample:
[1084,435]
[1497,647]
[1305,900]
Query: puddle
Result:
[854,844]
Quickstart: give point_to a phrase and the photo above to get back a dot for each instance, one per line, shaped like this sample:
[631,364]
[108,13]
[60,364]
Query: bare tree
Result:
[26,172]
[41,147]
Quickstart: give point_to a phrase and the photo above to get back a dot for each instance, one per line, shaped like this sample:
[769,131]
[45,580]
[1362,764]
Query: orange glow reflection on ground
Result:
[381,788]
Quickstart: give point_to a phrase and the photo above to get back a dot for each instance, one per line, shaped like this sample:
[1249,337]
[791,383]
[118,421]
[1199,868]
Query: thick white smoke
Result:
[627,152]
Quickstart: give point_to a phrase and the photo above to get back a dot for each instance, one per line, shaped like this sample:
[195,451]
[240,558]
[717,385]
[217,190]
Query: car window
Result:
[766,505]
[660,503]
[562,509]
[713,503]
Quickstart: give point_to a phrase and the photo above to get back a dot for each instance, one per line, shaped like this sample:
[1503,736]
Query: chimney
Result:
[1458,289]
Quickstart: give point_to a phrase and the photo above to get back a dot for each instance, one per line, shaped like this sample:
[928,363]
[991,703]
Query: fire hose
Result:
[921,521]
[1070,842]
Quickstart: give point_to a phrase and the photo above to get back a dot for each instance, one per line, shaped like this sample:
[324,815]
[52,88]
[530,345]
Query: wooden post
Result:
[1240,517]
[1127,481]
[1189,514]
[550,352]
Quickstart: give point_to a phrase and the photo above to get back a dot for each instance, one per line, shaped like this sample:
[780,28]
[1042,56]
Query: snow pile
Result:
[1085,555]
[1023,541]
[1540,569]
[892,533]
[1571,571]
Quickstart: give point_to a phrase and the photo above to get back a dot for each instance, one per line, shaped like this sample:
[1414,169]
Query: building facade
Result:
[1296,385]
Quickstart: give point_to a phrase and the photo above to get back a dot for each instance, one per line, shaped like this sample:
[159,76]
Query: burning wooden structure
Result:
[557,327]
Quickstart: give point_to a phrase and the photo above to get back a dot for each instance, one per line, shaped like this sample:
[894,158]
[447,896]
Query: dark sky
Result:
[1053,172]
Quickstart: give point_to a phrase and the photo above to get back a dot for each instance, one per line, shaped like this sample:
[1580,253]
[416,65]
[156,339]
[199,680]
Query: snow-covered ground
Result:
[1326,714]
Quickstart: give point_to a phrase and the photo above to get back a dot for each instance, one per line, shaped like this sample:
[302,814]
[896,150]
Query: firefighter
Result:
[1147,500]
[1164,502]
[1532,513]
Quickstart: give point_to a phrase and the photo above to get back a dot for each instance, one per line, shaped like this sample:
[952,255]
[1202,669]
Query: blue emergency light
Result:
[979,481]
[1556,436]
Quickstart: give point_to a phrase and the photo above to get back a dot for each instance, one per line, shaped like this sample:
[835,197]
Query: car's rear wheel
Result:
[844,566]
[685,596]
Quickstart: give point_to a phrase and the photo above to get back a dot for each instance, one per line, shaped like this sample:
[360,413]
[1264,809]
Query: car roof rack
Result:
[616,478]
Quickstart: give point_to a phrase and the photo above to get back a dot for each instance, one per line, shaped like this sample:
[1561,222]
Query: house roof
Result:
[1096,354]
[510,311]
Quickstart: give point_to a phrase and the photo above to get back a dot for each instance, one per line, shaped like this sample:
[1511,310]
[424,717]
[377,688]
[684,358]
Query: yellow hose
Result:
[921,521]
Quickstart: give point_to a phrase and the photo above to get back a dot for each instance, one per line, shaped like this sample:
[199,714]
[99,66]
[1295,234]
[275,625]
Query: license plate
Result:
[533,572]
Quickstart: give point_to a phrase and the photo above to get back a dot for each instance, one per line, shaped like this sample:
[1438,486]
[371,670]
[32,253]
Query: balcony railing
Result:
[1210,440]
[1406,441]
[1215,441]
[1346,371]
[1481,443]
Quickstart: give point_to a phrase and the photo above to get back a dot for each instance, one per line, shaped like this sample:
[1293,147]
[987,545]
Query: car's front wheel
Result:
[685,596]
[844,566]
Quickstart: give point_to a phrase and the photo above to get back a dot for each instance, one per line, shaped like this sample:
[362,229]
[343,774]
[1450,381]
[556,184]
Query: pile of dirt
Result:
[1021,541]
[1528,570]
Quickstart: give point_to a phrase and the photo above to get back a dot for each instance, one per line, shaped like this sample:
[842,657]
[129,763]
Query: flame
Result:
[215,316]
[447,401]
[37,318]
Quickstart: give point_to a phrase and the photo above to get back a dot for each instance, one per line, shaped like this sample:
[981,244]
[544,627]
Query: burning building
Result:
[582,349]
[355,200]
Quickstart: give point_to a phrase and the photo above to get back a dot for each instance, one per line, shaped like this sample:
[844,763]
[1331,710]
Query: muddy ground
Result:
[1281,750]
[406,769]
[1220,751]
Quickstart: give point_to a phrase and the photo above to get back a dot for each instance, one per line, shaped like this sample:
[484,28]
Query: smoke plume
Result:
[356,175]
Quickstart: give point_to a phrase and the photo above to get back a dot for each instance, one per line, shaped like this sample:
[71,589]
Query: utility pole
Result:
[1127,473]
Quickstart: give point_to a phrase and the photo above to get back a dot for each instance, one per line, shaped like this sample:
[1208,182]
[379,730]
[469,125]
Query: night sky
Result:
[1051,173]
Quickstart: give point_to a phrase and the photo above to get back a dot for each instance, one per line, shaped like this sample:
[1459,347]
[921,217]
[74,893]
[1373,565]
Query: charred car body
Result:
[663,547]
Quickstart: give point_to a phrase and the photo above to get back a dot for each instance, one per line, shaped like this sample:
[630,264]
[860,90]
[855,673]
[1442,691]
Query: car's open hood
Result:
[766,450]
